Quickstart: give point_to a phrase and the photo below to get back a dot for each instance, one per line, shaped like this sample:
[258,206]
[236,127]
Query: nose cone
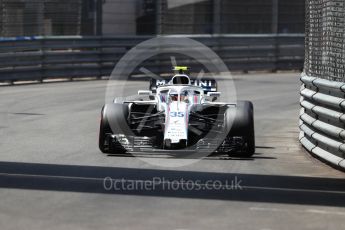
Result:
[176,127]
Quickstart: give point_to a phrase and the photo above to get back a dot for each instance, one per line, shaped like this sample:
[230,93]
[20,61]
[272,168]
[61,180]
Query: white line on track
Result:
[310,211]
[293,189]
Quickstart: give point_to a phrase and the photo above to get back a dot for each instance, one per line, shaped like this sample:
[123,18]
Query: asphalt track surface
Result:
[52,173]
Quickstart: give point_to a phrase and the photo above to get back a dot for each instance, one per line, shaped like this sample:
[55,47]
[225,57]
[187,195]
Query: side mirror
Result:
[213,94]
[145,93]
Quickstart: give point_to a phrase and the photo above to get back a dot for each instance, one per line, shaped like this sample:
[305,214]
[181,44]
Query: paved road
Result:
[52,173]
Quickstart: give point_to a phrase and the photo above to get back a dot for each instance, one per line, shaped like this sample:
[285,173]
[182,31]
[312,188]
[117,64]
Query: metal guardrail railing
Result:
[322,118]
[39,58]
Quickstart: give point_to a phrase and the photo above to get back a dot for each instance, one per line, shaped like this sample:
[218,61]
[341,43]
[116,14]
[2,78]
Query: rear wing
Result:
[209,85]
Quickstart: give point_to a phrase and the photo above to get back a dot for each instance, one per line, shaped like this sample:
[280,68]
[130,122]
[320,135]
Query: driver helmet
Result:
[174,97]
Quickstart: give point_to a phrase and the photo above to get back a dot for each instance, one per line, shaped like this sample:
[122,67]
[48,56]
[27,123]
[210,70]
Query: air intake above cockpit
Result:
[180,80]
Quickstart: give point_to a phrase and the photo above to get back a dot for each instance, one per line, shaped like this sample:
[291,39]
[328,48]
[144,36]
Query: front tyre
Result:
[104,131]
[113,121]
[243,125]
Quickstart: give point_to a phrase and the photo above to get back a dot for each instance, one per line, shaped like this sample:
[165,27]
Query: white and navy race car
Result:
[178,115]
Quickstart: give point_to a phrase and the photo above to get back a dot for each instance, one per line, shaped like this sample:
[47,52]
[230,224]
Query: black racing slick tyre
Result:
[113,121]
[104,130]
[243,125]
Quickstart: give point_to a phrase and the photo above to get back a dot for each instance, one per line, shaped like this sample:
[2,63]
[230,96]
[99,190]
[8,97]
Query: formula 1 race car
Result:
[178,115]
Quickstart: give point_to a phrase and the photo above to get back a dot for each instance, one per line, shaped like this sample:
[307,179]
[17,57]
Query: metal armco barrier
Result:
[322,118]
[40,58]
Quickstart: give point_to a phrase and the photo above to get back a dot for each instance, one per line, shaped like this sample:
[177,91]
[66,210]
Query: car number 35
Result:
[176,114]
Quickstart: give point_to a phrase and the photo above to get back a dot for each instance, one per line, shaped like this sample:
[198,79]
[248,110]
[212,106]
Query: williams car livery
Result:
[179,114]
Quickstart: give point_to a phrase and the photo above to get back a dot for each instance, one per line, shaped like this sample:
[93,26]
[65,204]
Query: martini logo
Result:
[207,85]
